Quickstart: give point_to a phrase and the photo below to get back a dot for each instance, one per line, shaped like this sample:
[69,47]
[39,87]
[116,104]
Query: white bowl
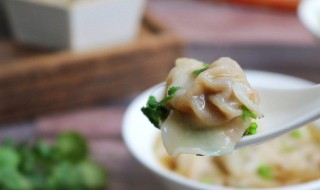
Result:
[309,15]
[139,136]
[79,26]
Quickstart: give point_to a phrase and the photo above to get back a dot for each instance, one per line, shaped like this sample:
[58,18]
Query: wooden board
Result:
[35,81]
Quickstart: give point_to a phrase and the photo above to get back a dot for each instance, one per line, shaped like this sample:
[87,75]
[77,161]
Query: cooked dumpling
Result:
[207,112]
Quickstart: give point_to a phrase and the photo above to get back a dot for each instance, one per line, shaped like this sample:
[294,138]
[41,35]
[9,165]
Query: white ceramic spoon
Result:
[284,110]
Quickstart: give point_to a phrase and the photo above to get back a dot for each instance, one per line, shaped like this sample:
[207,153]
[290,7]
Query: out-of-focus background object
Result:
[39,165]
[309,15]
[77,25]
[4,31]
[279,4]
[36,81]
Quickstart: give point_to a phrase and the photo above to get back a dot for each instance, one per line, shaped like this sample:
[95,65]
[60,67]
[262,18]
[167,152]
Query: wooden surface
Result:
[258,38]
[198,21]
[292,51]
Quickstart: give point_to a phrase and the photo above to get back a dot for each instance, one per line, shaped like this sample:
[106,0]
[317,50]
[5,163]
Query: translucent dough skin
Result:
[206,116]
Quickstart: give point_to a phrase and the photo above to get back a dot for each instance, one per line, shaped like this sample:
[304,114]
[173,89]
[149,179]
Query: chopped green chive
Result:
[247,113]
[172,90]
[155,111]
[295,134]
[198,71]
[265,172]
[252,129]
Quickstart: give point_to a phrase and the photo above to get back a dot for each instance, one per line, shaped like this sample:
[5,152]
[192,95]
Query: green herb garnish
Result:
[296,134]
[252,129]
[247,113]
[198,71]
[155,110]
[172,90]
[265,172]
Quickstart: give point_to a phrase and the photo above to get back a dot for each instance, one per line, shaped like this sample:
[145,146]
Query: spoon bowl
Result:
[284,110]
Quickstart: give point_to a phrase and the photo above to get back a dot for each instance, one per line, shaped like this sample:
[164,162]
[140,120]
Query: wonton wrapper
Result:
[206,116]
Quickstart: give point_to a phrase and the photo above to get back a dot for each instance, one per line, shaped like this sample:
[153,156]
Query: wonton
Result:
[211,107]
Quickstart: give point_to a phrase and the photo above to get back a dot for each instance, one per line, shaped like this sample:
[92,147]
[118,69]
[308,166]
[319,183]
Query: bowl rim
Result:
[156,167]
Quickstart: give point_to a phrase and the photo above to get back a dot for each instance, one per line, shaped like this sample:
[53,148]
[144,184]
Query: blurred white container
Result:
[309,15]
[77,25]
